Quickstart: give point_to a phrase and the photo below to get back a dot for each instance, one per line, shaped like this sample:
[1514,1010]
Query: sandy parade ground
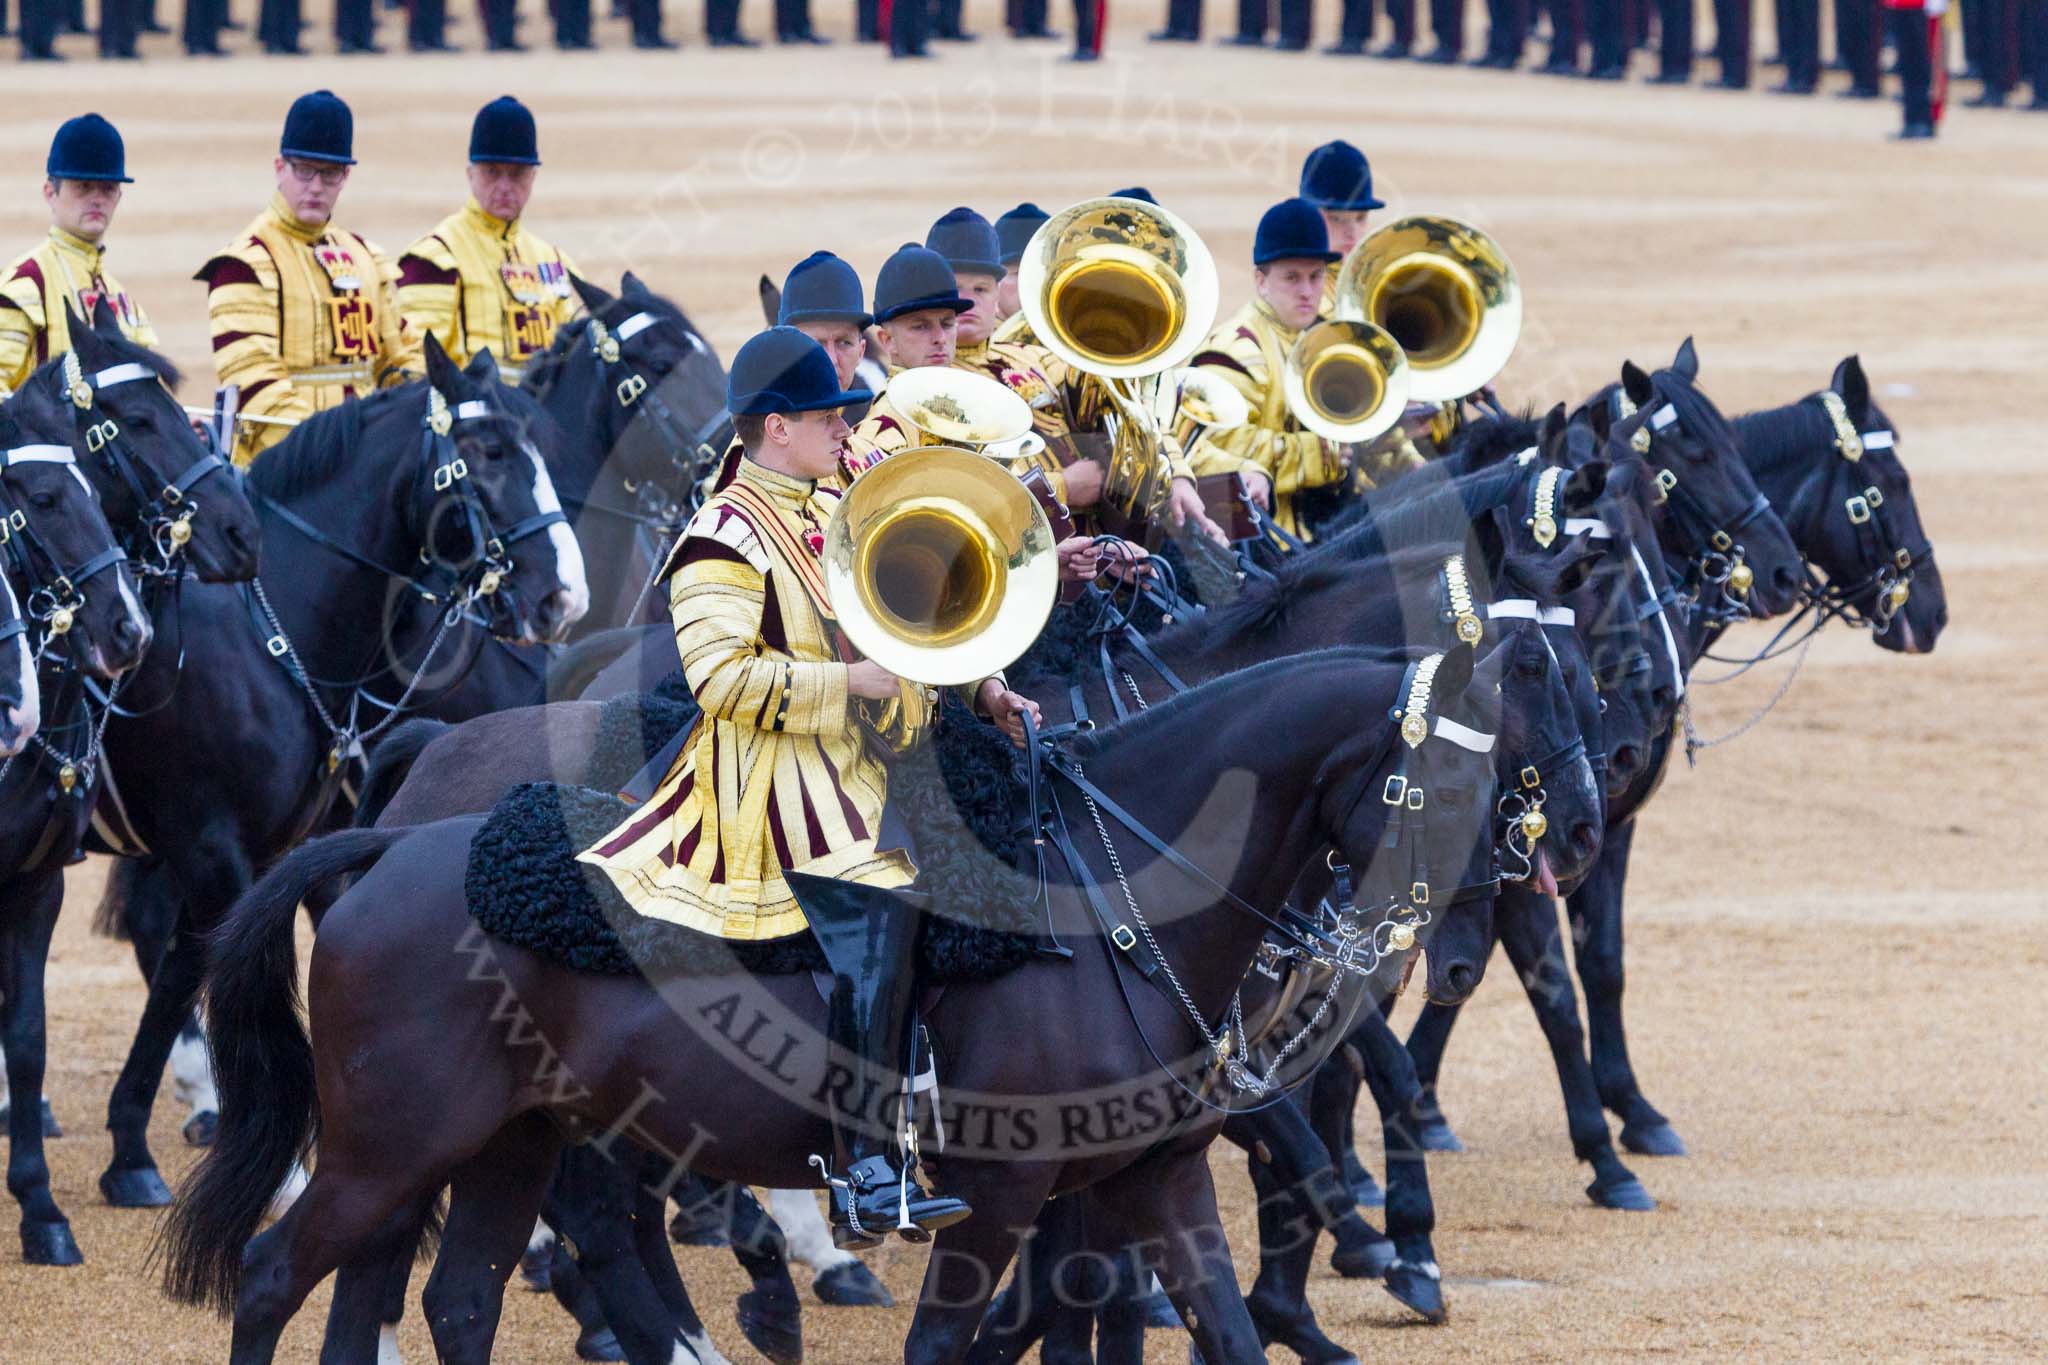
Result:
[1837,932]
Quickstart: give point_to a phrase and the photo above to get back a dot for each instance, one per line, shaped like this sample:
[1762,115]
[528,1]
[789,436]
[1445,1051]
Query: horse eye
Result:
[42,501]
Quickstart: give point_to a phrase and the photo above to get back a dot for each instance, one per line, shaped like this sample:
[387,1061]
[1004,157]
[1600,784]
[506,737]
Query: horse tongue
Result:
[1546,880]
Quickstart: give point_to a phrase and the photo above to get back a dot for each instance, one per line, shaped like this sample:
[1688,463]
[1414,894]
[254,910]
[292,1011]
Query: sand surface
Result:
[1837,937]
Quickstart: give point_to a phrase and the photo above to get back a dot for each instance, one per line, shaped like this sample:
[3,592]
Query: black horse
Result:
[83,619]
[237,742]
[1796,456]
[376,963]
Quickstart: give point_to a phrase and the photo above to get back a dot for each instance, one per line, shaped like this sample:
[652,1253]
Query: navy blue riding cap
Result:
[319,128]
[88,148]
[1337,176]
[1292,230]
[1014,229]
[782,370]
[968,243]
[822,288]
[913,279]
[504,131]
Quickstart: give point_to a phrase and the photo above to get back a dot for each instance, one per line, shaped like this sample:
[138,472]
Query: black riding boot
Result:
[869,935]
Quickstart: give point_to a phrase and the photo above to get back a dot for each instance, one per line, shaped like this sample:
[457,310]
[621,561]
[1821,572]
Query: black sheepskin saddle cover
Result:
[960,798]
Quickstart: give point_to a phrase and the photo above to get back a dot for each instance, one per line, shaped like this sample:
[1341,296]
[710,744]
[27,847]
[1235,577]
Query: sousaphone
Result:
[1447,294]
[1123,291]
[941,567]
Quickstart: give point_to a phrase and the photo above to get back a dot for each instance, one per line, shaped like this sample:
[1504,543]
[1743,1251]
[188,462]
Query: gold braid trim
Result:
[1415,715]
[1458,587]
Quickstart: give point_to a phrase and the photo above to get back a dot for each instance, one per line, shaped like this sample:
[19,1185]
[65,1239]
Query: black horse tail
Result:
[572,669]
[390,763]
[110,920]
[263,1062]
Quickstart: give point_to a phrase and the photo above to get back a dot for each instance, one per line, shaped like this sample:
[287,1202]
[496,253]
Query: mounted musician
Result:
[970,246]
[780,774]
[1013,235]
[481,279]
[1276,457]
[82,187]
[304,312]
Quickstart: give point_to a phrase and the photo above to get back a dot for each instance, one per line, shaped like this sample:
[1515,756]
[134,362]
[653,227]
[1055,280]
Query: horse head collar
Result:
[166,506]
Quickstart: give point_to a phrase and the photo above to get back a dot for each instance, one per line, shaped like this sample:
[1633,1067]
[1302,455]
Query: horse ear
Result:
[1551,437]
[441,371]
[1602,420]
[1854,388]
[630,287]
[103,320]
[1636,383]
[771,300]
[595,300]
[1687,361]
[1583,490]
[1453,676]
[482,367]
[1580,558]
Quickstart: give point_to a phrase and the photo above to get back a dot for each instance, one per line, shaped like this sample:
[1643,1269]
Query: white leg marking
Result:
[543,1237]
[288,1193]
[697,1350]
[387,1346]
[192,1075]
[804,1227]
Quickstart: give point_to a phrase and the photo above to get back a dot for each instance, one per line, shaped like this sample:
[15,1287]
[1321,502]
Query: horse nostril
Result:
[1585,839]
[131,633]
[1784,580]
[1461,978]
[1622,762]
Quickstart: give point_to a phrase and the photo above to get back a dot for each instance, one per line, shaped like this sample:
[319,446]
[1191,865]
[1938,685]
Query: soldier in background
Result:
[304,313]
[86,169]
[481,280]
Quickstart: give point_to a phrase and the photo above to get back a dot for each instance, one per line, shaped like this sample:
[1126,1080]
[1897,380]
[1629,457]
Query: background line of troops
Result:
[2005,42]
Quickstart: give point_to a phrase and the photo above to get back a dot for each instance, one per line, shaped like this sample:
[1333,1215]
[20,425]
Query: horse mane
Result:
[326,443]
[1160,714]
[156,362]
[1421,511]
[1489,440]
[1777,441]
[1696,411]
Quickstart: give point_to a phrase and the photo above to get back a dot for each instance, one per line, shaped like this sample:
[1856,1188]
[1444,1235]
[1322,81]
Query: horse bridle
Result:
[166,514]
[1716,578]
[54,597]
[1889,583]
[687,450]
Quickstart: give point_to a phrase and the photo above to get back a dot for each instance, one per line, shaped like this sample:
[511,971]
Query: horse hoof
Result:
[1653,1139]
[599,1344]
[1435,1135]
[1627,1194]
[201,1129]
[771,1326]
[49,1244]
[1364,1259]
[1296,1330]
[1160,1314]
[141,1188]
[851,1285]
[1419,1291]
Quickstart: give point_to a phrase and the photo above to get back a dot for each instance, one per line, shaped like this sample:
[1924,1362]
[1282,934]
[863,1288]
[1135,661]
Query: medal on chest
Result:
[529,326]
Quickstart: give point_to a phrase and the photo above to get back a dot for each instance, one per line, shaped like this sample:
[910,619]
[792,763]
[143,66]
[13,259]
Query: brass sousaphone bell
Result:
[1448,295]
[969,411]
[1122,291]
[941,567]
[1346,381]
